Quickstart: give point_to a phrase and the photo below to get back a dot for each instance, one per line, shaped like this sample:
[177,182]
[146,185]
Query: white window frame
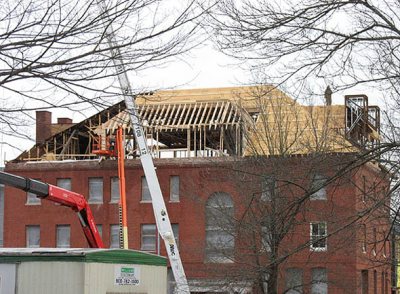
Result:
[319,235]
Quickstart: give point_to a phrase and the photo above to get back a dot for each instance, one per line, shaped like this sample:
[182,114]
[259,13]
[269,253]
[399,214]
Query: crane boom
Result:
[160,211]
[62,196]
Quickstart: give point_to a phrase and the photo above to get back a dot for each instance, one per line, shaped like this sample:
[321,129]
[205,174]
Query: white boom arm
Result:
[160,211]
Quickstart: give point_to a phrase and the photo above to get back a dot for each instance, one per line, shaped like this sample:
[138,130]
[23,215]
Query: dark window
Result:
[364,282]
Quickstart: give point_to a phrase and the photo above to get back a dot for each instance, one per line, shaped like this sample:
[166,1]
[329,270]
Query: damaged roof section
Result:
[236,121]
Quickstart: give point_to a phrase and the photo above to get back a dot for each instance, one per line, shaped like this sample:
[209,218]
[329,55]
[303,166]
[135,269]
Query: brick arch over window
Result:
[220,240]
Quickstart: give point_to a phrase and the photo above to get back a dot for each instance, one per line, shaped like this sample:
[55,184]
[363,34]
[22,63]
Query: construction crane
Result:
[59,195]
[160,211]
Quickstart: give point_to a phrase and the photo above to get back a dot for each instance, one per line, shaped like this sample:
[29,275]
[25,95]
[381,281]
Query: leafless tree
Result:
[308,44]
[55,53]
[296,161]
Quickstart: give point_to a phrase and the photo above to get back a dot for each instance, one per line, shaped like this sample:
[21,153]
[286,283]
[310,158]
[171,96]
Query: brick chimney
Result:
[64,120]
[43,126]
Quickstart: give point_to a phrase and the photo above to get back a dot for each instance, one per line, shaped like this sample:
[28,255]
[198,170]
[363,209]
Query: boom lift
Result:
[59,195]
[160,211]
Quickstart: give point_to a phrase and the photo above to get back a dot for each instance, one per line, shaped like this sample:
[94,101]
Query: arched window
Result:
[220,241]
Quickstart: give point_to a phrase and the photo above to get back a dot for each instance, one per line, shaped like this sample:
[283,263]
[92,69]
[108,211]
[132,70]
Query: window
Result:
[384,244]
[115,194]
[175,230]
[319,281]
[100,230]
[114,236]
[318,185]
[375,282]
[149,237]
[268,186]
[364,189]
[220,241]
[64,183]
[95,190]
[318,236]
[146,197]
[32,199]
[364,238]
[63,236]
[375,240]
[174,188]
[265,239]
[294,281]
[32,236]
[364,282]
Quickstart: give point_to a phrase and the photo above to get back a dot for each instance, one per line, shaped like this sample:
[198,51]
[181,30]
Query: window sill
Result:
[33,204]
[145,201]
[114,202]
[174,201]
[94,202]
[318,249]
[148,250]
[220,261]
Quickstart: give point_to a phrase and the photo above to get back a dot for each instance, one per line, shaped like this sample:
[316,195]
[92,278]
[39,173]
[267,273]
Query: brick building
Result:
[261,191]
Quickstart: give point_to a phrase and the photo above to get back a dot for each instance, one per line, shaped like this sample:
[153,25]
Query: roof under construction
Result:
[236,121]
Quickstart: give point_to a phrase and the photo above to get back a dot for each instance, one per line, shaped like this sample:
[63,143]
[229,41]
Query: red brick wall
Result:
[343,258]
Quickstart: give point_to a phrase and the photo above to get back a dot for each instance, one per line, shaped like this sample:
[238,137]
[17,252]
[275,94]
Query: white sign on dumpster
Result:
[127,275]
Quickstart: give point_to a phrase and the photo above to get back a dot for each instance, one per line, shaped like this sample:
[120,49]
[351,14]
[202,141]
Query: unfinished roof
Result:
[235,121]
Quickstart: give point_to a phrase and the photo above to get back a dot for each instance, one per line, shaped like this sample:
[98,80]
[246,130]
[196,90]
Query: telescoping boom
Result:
[160,211]
[59,195]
